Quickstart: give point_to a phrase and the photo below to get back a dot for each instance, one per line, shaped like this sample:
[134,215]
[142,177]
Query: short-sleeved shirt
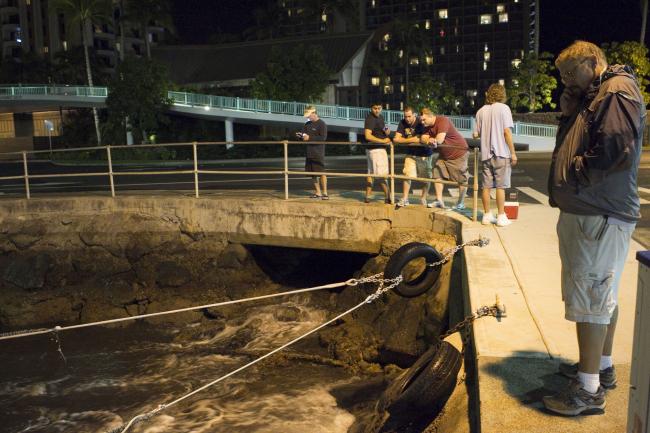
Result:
[317,131]
[376,125]
[491,122]
[453,138]
[408,131]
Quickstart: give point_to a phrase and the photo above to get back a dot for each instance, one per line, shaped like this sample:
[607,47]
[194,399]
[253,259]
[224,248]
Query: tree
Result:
[531,86]
[85,13]
[635,55]
[644,19]
[138,90]
[436,95]
[296,74]
[143,12]
[28,69]
[68,67]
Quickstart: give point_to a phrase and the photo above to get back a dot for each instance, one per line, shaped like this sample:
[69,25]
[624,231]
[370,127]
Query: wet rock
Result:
[240,339]
[192,230]
[170,274]
[28,272]
[233,256]
[287,314]
[23,241]
[96,262]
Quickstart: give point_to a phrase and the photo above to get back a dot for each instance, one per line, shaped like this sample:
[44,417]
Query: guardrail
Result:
[111,173]
[464,123]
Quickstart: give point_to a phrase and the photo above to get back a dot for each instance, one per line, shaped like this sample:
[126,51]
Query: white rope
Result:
[31,332]
[372,297]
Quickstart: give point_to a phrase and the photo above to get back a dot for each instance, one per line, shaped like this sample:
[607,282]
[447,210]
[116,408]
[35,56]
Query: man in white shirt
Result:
[493,123]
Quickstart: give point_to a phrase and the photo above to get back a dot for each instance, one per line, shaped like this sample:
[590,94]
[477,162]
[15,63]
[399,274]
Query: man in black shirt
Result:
[315,130]
[417,162]
[376,134]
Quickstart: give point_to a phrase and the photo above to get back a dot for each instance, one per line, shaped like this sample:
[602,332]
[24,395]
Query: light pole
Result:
[50,127]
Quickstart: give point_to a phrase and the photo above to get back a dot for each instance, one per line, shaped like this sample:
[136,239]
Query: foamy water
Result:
[113,375]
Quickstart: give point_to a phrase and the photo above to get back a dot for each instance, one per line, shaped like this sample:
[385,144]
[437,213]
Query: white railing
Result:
[356,114]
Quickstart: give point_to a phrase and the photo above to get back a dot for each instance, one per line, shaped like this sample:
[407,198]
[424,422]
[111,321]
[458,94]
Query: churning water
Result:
[111,375]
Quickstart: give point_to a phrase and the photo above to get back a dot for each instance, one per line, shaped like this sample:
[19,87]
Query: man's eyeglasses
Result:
[570,75]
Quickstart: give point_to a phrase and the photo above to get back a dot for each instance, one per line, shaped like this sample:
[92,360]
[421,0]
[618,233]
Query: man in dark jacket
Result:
[593,182]
[315,130]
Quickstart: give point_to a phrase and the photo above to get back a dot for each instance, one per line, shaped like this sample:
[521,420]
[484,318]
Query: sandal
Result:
[314,196]
[325,197]
[366,200]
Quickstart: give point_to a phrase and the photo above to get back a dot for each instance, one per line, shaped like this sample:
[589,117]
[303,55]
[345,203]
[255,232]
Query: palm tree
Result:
[644,19]
[142,12]
[86,12]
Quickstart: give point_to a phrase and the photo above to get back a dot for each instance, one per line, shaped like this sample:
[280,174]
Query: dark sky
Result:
[561,21]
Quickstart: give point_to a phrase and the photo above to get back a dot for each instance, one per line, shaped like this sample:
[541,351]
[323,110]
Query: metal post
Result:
[286,169]
[196,171]
[110,170]
[392,173]
[475,195]
[26,175]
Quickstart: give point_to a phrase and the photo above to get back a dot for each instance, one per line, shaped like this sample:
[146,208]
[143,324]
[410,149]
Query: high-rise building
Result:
[32,26]
[470,44]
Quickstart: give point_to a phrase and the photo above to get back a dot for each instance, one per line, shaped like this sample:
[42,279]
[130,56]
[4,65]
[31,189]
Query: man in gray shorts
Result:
[493,123]
[593,180]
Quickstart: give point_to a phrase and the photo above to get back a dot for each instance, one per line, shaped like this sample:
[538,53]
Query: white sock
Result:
[590,382]
[605,362]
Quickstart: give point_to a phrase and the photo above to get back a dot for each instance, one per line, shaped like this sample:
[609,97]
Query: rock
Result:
[96,262]
[193,231]
[28,272]
[24,240]
[233,256]
[287,313]
[400,324]
[170,274]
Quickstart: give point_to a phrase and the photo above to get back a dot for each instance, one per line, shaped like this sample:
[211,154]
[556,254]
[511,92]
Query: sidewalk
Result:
[517,358]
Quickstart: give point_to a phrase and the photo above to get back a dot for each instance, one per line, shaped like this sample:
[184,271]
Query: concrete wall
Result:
[346,226]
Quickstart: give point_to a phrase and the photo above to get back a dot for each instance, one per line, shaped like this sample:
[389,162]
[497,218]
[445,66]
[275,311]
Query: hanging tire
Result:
[423,282]
[428,382]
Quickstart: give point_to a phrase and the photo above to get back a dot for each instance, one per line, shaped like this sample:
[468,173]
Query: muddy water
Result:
[111,375]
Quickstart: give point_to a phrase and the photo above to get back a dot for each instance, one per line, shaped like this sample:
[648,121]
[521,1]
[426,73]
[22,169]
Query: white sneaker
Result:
[488,218]
[402,203]
[502,220]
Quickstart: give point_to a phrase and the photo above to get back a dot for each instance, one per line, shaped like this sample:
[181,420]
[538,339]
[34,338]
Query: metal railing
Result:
[110,173]
[356,114]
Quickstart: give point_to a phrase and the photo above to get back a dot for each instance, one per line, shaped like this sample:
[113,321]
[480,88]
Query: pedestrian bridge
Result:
[246,110]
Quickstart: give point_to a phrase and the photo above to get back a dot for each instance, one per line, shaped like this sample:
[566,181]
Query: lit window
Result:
[387,106]
[401,88]
[372,4]
[486,19]
[289,12]
[486,56]
[414,8]
[400,54]
[427,24]
[485,47]
[387,37]
[457,48]
[516,1]
[46,50]
[471,93]
[442,33]
[65,45]
[503,18]
[387,79]
[501,8]
[429,60]
[401,105]
[374,81]
[323,18]
[414,61]
[485,66]
[515,62]
[442,50]
[29,2]
[388,89]
[502,81]
[443,14]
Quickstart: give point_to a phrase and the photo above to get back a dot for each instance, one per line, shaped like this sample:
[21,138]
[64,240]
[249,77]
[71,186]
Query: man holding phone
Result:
[315,130]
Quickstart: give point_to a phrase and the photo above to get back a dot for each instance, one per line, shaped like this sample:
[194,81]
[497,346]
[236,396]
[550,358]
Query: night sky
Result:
[562,21]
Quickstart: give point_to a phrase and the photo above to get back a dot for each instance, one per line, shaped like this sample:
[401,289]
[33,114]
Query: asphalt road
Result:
[529,176]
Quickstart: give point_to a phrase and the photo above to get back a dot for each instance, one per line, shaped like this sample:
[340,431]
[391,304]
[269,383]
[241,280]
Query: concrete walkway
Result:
[517,357]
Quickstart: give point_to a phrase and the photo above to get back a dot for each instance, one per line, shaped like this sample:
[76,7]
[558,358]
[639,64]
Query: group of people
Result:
[422,134]
[592,180]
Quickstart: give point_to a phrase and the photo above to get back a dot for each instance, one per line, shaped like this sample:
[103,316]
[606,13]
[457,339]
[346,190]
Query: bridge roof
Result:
[198,64]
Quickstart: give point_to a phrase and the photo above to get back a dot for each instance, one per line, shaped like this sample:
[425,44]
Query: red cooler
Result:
[512,206]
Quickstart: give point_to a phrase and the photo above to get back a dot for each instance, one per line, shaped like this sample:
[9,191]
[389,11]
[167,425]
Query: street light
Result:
[50,127]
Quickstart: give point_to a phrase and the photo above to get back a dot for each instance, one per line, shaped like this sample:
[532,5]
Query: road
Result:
[529,177]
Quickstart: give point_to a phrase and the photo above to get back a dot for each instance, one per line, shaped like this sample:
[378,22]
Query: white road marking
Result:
[543,199]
